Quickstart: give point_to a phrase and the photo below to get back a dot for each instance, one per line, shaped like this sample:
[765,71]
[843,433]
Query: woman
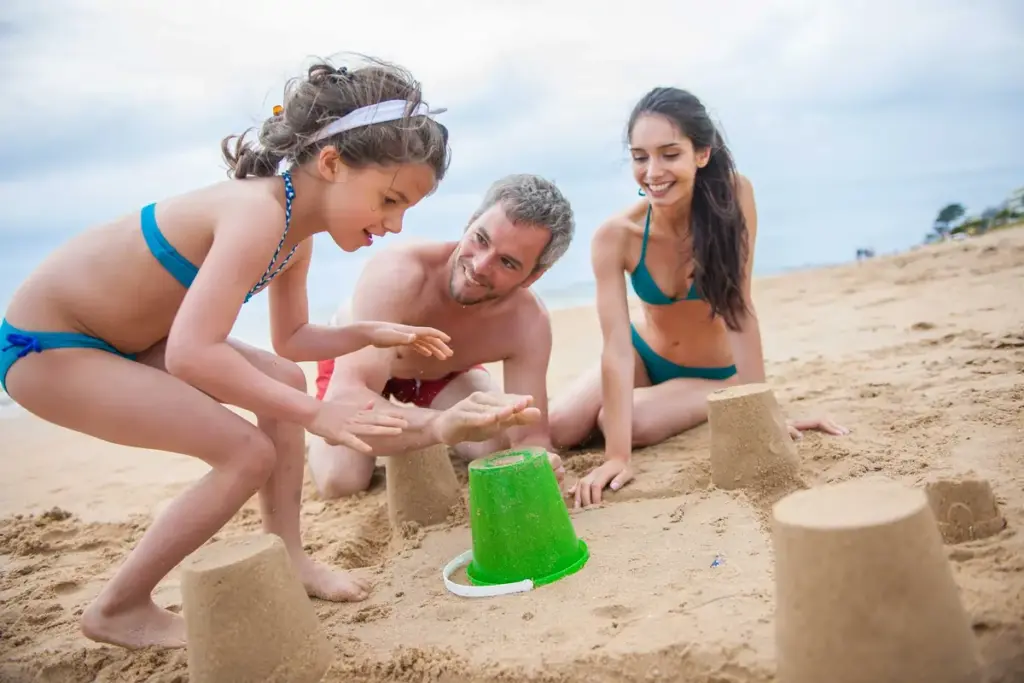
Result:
[688,250]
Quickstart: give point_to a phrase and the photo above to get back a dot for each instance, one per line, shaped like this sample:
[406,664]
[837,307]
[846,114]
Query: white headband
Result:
[390,110]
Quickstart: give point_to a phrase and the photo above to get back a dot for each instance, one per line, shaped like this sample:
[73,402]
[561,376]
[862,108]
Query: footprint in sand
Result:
[64,588]
[450,612]
[612,611]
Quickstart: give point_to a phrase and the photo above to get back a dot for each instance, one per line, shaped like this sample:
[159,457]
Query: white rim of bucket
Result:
[465,591]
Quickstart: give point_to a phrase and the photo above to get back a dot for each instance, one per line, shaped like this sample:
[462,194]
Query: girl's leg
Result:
[281,496]
[124,402]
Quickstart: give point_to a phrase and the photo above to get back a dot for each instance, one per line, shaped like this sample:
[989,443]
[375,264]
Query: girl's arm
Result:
[197,348]
[617,372]
[296,339]
[746,343]
[291,333]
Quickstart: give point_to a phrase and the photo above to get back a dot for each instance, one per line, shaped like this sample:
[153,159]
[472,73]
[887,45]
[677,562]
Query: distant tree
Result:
[947,216]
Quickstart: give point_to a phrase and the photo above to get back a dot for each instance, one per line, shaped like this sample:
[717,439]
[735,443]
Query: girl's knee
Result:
[252,457]
[288,372]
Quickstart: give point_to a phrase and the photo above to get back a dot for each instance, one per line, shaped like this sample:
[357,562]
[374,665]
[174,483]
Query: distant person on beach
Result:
[688,249]
[123,333]
[477,291]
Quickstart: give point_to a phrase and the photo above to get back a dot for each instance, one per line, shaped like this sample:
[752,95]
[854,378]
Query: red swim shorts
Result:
[418,392]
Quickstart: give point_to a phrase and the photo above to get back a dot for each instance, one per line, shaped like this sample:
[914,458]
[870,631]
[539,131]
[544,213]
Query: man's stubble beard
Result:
[455,296]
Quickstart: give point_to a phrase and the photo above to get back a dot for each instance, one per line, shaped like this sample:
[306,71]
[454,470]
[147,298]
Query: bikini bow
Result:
[26,343]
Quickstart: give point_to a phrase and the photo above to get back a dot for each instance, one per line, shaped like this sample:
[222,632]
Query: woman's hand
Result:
[339,424]
[424,340]
[822,424]
[615,473]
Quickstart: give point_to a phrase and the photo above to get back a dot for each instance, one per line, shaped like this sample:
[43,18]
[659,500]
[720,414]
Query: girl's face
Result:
[665,162]
[364,204]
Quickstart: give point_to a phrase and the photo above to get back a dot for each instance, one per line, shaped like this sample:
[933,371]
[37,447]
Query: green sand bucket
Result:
[522,534]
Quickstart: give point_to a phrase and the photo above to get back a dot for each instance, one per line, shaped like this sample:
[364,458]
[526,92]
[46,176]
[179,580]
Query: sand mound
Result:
[864,589]
[965,509]
[750,446]
[422,487]
[247,615]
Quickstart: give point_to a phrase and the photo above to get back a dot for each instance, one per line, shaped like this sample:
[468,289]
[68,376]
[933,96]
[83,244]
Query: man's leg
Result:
[337,470]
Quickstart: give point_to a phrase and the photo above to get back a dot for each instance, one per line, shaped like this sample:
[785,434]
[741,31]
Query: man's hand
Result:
[424,340]
[482,415]
[822,424]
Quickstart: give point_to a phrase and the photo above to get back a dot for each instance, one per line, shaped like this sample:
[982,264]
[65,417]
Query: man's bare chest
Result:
[475,339]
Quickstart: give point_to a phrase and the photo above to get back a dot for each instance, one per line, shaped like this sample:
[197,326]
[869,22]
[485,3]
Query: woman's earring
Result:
[640,191]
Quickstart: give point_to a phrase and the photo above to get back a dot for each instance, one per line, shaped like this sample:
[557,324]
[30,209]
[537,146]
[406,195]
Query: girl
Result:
[122,334]
[688,250]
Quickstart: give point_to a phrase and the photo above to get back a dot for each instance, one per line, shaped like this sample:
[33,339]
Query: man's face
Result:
[495,257]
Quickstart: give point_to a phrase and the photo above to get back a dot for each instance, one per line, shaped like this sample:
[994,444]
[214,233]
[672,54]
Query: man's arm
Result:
[746,343]
[525,373]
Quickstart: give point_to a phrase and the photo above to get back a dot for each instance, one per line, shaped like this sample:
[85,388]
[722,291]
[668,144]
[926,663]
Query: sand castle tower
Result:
[422,486]
[965,508]
[750,445]
[247,615]
[864,591]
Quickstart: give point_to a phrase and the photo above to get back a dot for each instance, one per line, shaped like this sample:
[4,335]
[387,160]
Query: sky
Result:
[855,120]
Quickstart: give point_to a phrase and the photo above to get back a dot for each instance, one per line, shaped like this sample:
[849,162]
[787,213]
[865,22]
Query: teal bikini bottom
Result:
[16,343]
[661,370]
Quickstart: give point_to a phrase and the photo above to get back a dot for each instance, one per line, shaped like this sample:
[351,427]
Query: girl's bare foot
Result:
[330,584]
[142,625]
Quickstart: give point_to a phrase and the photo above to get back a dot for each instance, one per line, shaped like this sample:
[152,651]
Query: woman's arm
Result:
[197,348]
[617,365]
[746,343]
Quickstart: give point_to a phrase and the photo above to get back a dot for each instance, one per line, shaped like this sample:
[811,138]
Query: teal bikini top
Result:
[645,286]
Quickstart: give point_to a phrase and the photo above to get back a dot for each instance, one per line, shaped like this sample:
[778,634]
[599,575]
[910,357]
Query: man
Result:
[475,290]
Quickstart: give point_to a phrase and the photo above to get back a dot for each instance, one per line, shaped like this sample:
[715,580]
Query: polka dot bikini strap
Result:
[289,195]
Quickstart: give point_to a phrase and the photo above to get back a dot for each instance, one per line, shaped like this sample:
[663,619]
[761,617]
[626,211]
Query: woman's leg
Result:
[281,496]
[573,414]
[579,412]
[670,408]
[108,397]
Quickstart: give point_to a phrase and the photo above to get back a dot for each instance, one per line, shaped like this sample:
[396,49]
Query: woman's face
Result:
[665,162]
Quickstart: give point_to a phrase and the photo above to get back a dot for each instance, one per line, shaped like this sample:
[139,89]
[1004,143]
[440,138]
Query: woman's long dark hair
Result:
[716,221]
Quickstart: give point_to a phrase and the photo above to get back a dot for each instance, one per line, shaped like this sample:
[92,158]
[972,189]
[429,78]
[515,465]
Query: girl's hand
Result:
[425,340]
[338,424]
[822,424]
[614,472]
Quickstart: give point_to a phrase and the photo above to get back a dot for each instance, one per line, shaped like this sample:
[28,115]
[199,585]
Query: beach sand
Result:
[920,354]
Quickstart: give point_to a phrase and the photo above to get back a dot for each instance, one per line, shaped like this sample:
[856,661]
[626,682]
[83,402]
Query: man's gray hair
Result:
[531,200]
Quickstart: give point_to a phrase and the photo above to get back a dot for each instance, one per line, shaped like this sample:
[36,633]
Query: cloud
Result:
[825,104]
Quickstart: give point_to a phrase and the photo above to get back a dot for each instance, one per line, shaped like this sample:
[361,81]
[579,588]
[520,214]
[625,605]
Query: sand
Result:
[920,354]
